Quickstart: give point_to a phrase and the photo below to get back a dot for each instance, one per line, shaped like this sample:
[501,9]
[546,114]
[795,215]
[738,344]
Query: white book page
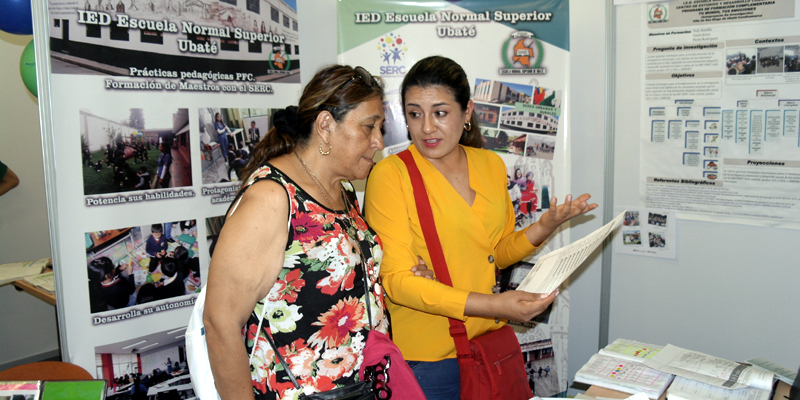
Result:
[709,369]
[689,389]
[781,372]
[13,271]
[630,350]
[553,268]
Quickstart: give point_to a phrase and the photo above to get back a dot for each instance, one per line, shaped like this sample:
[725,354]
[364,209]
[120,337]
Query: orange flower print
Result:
[337,362]
[287,288]
[337,323]
[302,362]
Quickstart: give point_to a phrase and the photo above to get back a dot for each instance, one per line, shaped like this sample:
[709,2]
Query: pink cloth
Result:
[401,379]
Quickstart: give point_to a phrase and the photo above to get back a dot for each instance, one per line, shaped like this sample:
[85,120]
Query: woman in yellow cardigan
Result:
[475,220]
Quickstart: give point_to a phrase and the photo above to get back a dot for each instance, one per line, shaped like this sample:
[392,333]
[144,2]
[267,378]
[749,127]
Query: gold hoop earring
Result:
[325,153]
[468,126]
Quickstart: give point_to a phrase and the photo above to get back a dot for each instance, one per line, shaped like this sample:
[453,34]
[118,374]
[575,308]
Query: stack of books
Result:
[633,367]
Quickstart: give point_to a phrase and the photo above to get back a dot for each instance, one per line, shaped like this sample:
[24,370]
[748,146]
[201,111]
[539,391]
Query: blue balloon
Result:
[16,17]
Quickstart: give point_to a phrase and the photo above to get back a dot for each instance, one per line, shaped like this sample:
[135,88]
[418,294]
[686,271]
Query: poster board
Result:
[145,111]
[517,68]
[697,297]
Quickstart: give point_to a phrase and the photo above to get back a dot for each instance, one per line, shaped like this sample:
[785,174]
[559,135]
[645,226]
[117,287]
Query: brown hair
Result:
[444,72]
[329,90]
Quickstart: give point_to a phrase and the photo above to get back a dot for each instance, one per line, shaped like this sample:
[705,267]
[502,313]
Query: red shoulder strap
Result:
[457,328]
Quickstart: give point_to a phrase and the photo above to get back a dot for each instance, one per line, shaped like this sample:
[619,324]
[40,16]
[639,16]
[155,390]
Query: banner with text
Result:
[153,118]
[516,55]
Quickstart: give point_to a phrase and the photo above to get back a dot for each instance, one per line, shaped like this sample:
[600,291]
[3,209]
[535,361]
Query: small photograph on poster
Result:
[657,239]
[659,230]
[525,193]
[135,149]
[770,60]
[488,115]
[631,218]
[540,146]
[741,61]
[497,92]
[395,135]
[529,121]
[657,219]
[710,165]
[631,238]
[210,41]
[142,264]
[153,364]
[791,58]
[540,365]
[213,228]
[710,175]
[503,141]
[227,139]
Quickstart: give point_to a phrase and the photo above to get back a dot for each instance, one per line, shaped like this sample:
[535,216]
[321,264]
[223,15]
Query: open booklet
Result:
[687,389]
[709,369]
[13,271]
[624,376]
[553,268]
[782,373]
[630,350]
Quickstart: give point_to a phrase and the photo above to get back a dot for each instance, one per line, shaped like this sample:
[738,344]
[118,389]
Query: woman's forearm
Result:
[229,362]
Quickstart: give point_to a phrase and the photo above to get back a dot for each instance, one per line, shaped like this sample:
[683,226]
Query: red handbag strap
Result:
[457,328]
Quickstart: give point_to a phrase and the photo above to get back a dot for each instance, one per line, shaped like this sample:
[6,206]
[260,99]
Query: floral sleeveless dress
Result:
[316,309]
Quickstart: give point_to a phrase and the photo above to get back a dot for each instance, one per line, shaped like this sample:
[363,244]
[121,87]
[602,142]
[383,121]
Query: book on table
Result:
[687,389]
[709,369]
[630,350]
[623,375]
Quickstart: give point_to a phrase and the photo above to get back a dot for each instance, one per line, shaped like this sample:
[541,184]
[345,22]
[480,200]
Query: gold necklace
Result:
[316,181]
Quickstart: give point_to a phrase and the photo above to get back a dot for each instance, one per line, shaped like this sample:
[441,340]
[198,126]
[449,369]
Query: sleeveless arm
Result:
[247,260]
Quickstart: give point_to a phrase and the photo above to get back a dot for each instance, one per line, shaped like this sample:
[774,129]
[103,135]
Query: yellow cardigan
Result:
[474,239]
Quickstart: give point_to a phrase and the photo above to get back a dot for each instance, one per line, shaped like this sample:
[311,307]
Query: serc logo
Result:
[522,55]
[658,13]
[391,49]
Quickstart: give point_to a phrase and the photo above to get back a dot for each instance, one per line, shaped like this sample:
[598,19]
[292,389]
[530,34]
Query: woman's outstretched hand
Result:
[557,215]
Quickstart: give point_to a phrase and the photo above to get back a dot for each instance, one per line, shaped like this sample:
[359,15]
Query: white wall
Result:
[587,105]
[732,291]
[27,324]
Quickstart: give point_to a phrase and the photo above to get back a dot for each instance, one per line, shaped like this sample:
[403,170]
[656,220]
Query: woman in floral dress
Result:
[294,248]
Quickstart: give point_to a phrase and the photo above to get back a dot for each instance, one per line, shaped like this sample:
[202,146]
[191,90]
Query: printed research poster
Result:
[721,111]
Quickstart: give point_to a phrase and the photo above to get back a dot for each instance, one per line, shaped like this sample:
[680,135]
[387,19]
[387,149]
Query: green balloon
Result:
[27,68]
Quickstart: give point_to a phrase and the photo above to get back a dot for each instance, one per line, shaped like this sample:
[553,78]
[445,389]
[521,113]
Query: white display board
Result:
[731,290]
[146,110]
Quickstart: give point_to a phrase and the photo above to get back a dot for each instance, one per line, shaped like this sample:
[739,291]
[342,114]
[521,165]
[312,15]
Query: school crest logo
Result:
[279,61]
[658,13]
[392,51]
[522,54]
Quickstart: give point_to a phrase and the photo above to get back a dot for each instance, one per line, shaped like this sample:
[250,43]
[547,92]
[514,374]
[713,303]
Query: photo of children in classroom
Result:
[228,137]
[142,264]
[134,149]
